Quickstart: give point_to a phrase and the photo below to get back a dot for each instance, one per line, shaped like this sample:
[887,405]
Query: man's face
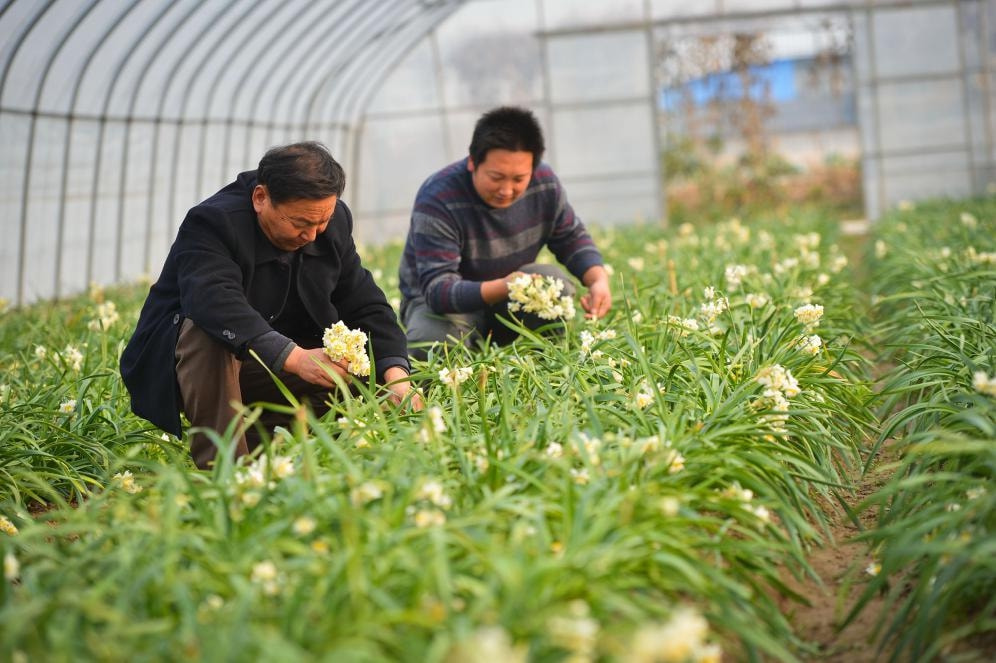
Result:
[502,177]
[292,224]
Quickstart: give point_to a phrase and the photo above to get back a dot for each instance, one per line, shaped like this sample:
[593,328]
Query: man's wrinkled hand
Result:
[314,366]
[401,388]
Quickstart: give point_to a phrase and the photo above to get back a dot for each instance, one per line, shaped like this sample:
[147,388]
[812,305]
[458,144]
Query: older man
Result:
[264,265]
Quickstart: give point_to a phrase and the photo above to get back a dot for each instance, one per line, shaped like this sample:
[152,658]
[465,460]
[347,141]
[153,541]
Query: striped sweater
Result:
[456,241]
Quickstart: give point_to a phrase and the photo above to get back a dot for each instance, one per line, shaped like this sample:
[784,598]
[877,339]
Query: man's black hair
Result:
[300,171]
[507,128]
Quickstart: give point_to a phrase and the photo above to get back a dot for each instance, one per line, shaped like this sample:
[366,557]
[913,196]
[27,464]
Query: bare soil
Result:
[840,565]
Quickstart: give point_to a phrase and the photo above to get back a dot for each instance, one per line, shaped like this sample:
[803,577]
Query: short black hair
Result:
[507,128]
[300,171]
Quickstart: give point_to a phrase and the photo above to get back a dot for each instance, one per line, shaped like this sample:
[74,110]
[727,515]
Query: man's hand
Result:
[496,290]
[397,382]
[314,365]
[598,300]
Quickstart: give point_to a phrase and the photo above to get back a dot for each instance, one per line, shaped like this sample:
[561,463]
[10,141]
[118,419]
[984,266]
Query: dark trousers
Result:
[214,385]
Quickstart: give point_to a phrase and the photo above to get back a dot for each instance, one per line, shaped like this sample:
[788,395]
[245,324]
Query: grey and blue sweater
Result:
[456,241]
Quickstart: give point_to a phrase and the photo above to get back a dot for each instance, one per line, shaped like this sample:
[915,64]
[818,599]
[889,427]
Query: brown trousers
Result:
[214,385]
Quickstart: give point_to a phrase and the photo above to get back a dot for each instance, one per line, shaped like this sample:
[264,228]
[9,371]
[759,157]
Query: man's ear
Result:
[259,195]
[470,164]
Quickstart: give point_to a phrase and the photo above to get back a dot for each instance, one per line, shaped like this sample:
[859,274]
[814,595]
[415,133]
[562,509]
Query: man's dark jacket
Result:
[224,274]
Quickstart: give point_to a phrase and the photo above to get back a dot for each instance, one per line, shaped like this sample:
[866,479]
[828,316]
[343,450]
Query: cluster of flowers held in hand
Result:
[342,343]
[540,295]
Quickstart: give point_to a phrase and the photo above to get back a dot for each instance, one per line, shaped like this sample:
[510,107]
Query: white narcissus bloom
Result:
[735,275]
[580,476]
[40,351]
[73,357]
[365,493]
[636,264]
[685,325]
[554,450]
[283,466]
[456,376]
[341,343]
[711,309]
[577,632]
[756,300]
[968,220]
[68,407]
[540,295]
[809,315]
[873,568]
[680,640]
[429,518]
[809,345]
[432,491]
[488,644]
[436,419]
[7,527]
[975,493]
[881,249]
[265,575]
[11,567]
[126,482]
[669,506]
[304,526]
[983,383]
[107,315]
[780,379]
[675,462]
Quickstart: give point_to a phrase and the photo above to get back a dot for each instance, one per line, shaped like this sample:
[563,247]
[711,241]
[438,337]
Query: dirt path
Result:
[840,565]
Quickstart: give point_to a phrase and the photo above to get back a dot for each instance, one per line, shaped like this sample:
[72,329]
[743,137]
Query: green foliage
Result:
[578,492]
[934,281]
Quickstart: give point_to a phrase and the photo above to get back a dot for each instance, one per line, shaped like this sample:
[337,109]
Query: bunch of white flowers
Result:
[72,356]
[780,386]
[577,632]
[983,383]
[534,293]
[756,300]
[735,275]
[126,482]
[107,315]
[809,345]
[809,315]
[686,325]
[455,377]
[342,343]
[588,340]
[680,640]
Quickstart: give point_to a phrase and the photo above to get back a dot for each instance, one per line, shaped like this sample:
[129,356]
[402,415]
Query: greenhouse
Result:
[758,423]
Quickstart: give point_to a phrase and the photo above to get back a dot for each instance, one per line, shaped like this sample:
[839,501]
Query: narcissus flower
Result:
[540,295]
[11,567]
[455,377]
[809,345]
[7,527]
[429,518]
[809,315]
[341,343]
[983,383]
[73,357]
[304,526]
[68,407]
[126,482]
